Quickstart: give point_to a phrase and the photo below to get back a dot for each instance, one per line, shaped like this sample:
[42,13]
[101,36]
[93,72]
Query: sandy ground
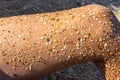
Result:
[84,71]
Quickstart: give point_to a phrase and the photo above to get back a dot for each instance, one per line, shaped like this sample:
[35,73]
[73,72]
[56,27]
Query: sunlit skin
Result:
[36,45]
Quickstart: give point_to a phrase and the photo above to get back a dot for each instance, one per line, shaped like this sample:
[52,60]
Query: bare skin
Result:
[36,45]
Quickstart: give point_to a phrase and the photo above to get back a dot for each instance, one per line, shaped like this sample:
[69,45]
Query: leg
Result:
[113,68]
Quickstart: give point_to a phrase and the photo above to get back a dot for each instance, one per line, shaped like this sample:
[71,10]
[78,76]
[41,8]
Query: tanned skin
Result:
[36,45]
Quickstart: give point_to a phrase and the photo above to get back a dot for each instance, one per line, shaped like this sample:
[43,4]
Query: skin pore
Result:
[36,45]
